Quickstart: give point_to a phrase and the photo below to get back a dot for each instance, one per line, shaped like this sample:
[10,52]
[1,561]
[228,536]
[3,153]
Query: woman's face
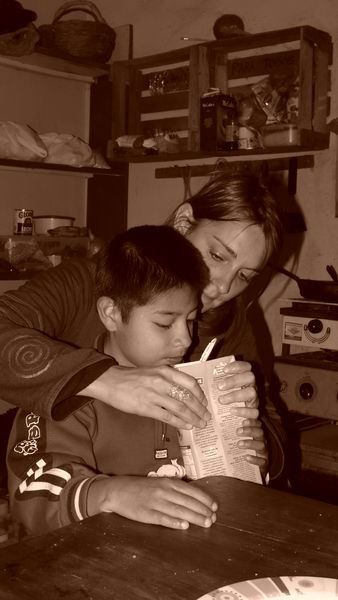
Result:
[234,252]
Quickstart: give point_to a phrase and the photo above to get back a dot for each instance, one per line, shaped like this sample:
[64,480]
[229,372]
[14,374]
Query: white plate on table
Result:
[312,588]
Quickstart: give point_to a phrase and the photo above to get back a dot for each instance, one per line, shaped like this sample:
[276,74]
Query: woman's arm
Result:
[146,392]
[250,343]
[236,337]
[47,333]
[48,329]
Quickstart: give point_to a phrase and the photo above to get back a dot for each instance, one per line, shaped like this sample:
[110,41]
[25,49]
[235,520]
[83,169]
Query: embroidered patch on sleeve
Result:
[43,479]
[29,445]
[27,356]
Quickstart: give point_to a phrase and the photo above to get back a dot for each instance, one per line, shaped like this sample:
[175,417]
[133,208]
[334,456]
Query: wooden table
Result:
[259,533]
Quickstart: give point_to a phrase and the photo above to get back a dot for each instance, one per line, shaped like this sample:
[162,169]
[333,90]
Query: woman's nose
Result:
[223,285]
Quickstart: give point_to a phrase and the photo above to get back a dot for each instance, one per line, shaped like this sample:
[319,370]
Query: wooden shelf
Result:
[282,159]
[290,164]
[56,168]
[49,64]
[103,191]
[260,153]
[65,246]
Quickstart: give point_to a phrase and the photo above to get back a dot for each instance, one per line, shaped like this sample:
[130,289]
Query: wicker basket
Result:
[19,42]
[87,40]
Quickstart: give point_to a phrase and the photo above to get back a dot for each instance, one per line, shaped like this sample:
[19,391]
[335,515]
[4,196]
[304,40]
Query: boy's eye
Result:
[164,325]
[190,322]
[190,325]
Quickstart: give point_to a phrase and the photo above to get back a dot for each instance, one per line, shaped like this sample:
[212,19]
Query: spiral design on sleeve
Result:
[27,356]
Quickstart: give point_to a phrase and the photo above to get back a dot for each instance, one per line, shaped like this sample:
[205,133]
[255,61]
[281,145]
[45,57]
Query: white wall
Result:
[158,26]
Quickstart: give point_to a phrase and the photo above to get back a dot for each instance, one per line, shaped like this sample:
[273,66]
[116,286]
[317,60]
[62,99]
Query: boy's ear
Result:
[108,313]
[184,218]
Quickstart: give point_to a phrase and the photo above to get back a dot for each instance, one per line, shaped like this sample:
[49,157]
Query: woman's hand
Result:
[149,393]
[165,501]
[239,387]
[253,430]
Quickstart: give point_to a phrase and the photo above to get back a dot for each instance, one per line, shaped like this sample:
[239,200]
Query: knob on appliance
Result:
[315,326]
[306,390]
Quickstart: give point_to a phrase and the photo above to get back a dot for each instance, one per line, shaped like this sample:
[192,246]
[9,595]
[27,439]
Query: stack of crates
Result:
[163,91]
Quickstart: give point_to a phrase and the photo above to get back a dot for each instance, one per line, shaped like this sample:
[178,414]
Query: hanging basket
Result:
[87,40]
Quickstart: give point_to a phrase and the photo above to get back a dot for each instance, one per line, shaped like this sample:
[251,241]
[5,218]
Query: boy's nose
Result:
[183,339]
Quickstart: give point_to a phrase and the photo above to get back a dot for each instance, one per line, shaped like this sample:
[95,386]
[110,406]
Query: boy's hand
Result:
[146,392]
[162,501]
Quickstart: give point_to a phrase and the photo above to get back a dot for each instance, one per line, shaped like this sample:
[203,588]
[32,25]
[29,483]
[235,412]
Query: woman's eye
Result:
[216,256]
[245,277]
[163,325]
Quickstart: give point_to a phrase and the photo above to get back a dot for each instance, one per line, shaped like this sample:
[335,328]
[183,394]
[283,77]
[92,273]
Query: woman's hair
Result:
[237,198]
[143,262]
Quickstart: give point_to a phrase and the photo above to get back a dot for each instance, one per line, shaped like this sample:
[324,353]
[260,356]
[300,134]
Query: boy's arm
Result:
[165,501]
[53,481]
[49,469]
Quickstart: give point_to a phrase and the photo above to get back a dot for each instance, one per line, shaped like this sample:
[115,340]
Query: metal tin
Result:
[23,221]
[247,138]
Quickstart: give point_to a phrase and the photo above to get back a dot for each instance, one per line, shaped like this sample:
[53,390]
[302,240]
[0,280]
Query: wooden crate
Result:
[233,66]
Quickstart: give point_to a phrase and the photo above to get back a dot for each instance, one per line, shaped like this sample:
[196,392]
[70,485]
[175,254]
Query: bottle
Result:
[218,121]
[229,122]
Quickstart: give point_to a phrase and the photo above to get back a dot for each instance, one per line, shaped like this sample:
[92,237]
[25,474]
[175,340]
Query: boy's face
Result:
[158,333]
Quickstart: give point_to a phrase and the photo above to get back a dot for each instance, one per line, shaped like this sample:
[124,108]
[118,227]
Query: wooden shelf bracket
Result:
[290,164]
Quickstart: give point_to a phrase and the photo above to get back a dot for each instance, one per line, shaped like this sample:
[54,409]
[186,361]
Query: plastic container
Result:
[43,223]
[280,134]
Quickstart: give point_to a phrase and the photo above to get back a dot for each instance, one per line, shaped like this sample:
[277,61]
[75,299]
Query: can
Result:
[23,221]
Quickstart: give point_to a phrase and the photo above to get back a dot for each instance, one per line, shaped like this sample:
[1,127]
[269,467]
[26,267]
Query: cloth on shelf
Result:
[14,16]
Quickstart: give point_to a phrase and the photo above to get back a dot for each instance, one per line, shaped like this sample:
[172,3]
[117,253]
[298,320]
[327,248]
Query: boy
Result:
[149,283]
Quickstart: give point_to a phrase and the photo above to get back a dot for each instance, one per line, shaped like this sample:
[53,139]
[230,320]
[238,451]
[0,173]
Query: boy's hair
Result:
[146,261]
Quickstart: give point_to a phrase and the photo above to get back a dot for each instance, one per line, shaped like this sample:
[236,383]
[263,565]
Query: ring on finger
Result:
[179,393]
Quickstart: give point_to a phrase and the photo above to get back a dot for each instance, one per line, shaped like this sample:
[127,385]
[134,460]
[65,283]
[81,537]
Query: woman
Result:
[49,326]
[233,221]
